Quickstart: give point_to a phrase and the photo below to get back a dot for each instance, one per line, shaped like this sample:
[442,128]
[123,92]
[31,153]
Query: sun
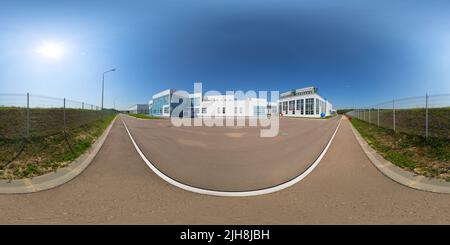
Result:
[51,50]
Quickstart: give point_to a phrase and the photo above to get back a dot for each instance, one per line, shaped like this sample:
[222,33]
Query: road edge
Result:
[398,174]
[234,193]
[60,176]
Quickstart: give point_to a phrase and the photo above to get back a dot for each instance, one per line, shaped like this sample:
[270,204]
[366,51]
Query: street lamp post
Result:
[103,86]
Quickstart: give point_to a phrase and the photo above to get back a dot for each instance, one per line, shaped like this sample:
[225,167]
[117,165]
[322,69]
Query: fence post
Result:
[393,113]
[426,116]
[28,115]
[64,112]
[378,116]
[369,115]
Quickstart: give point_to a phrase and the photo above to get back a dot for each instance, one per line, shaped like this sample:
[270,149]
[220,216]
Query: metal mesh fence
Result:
[427,116]
[28,116]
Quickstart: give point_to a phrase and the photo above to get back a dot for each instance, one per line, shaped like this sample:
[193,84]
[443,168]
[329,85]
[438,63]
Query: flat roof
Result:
[300,91]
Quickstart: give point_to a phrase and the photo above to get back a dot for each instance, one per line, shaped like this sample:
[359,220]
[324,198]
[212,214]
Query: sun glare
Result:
[51,50]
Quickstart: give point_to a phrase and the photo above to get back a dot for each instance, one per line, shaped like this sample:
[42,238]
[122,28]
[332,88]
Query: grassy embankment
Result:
[50,145]
[142,116]
[430,157]
[343,111]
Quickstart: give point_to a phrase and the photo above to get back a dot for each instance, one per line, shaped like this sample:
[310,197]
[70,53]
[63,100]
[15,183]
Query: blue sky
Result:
[355,52]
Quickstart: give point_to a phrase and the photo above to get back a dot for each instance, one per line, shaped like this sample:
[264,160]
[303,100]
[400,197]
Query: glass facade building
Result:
[297,103]
[304,102]
[161,105]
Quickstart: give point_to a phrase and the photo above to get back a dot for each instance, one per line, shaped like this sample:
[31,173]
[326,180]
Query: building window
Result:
[291,105]
[317,106]
[259,110]
[223,110]
[285,106]
[302,102]
[195,101]
[240,110]
[218,110]
[235,110]
[309,104]
[204,110]
[166,99]
[166,110]
[298,105]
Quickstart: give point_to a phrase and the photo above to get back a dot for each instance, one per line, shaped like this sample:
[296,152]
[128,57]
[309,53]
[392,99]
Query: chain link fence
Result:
[27,115]
[427,116]
[39,134]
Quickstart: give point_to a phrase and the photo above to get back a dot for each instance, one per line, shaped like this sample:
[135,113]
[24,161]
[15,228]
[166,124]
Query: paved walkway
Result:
[119,188]
[232,158]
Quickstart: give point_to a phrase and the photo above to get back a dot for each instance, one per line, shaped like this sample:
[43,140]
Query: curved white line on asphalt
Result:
[233,193]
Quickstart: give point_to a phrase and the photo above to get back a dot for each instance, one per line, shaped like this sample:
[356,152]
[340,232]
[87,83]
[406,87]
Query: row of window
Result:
[304,106]
[159,103]
[195,101]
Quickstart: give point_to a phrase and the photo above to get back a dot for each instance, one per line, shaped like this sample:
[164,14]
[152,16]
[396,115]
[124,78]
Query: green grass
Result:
[429,157]
[343,111]
[142,116]
[43,121]
[413,121]
[7,107]
[47,150]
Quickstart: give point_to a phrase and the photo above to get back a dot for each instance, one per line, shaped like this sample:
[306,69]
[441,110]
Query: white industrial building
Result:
[161,105]
[229,106]
[304,102]
[139,109]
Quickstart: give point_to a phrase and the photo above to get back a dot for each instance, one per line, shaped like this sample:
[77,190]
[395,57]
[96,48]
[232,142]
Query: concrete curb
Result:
[61,176]
[398,174]
[233,193]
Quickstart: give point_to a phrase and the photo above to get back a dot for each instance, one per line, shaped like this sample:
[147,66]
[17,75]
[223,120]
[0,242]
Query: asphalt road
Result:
[119,188]
[232,158]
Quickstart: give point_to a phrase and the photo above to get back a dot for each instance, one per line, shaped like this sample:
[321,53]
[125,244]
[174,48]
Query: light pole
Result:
[103,86]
